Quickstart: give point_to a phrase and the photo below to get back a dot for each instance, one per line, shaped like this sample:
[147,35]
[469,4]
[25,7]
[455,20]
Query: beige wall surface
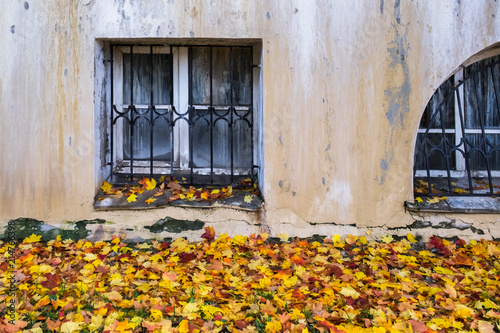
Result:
[344,86]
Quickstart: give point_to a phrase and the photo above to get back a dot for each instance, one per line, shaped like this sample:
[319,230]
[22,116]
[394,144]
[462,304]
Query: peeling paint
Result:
[398,94]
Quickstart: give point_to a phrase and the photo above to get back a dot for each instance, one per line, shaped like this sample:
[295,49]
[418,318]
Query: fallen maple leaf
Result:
[106,186]
[132,198]
[248,198]
[283,237]
[52,281]
[209,234]
[32,239]
[410,238]
[150,200]
[150,184]
[387,239]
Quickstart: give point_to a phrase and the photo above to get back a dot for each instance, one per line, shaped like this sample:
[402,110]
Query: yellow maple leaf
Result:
[291,281]
[32,239]
[156,315]
[283,237]
[411,238]
[150,200]
[144,287]
[387,239]
[132,197]
[144,246]
[90,257]
[488,304]
[435,200]
[273,326]
[150,184]
[419,199]
[248,198]
[463,311]
[106,186]
[349,292]
[162,179]
[190,196]
[215,191]
[96,323]
[184,326]
[70,327]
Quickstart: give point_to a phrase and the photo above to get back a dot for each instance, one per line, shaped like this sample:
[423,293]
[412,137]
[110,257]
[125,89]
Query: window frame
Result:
[120,167]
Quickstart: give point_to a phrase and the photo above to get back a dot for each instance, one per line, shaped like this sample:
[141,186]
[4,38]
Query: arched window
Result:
[458,143]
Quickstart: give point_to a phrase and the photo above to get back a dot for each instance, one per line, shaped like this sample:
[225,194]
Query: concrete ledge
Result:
[471,205]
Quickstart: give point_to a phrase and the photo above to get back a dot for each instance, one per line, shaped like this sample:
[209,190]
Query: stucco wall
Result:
[344,87]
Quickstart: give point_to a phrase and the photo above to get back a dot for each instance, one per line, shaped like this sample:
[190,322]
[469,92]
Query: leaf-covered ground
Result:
[249,284]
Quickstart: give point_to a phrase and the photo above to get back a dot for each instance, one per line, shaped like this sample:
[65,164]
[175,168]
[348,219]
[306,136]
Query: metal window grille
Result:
[458,142]
[206,140]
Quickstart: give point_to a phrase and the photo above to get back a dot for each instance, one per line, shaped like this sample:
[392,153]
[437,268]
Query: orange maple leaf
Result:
[150,200]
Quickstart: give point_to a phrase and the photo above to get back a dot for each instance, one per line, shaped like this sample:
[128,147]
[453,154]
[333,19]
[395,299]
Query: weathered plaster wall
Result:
[344,87]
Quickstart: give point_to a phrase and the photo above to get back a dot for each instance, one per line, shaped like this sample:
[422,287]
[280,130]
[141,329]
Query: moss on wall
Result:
[25,227]
[175,226]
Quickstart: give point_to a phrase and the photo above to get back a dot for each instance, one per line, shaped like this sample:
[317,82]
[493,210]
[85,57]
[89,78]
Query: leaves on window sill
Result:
[152,194]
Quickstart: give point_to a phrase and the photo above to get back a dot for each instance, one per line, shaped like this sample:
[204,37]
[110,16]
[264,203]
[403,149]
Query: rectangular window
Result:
[183,111]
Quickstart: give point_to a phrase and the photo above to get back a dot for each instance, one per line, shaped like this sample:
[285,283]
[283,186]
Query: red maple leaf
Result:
[53,280]
[209,234]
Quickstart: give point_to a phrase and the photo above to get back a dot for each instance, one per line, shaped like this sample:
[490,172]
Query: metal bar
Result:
[211,109]
[112,116]
[251,117]
[231,111]
[132,108]
[151,123]
[464,139]
[172,111]
[495,85]
[481,108]
[427,164]
[191,109]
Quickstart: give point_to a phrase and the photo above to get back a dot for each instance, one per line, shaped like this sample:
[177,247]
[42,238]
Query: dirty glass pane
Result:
[221,76]
[141,141]
[222,139]
[482,97]
[200,76]
[218,72]
[142,72]
[242,139]
[145,68]
[440,110]
[221,79]
[242,76]
[200,131]
[476,146]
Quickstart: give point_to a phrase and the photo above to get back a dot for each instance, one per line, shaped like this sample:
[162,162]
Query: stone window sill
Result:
[237,200]
[470,205]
